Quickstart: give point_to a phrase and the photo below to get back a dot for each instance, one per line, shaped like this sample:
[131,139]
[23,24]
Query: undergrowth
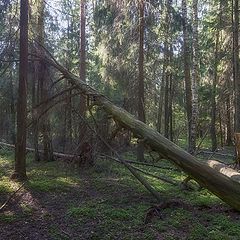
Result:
[106,202]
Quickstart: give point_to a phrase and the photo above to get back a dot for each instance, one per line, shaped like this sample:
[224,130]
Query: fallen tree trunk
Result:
[219,184]
[222,168]
[56,154]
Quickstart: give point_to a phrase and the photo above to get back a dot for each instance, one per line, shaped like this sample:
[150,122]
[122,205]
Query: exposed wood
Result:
[222,186]
[222,168]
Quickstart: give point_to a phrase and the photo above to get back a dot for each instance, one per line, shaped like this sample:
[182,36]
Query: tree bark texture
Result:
[195,76]
[20,152]
[236,64]
[141,101]
[188,87]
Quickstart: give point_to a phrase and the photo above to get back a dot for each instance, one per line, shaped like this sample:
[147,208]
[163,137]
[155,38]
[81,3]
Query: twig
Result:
[11,196]
[149,165]
[146,173]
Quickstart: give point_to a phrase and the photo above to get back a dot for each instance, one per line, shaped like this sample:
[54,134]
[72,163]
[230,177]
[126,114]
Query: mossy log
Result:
[225,187]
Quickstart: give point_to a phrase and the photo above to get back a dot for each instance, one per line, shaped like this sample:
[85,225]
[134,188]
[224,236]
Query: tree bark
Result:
[82,67]
[195,77]
[214,85]
[188,87]
[141,102]
[236,64]
[43,79]
[20,152]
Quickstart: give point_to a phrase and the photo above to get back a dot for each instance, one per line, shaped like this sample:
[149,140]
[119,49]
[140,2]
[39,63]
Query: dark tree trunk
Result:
[161,98]
[214,86]
[82,67]
[141,108]
[43,81]
[35,100]
[236,64]
[228,122]
[195,76]
[13,112]
[20,152]
[186,52]
[171,89]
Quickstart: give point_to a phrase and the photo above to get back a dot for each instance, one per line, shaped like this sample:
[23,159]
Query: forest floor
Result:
[106,202]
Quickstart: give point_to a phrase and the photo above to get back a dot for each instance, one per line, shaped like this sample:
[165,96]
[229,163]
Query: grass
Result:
[106,202]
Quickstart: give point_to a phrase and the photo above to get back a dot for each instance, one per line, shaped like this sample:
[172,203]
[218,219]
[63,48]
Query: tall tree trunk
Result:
[213,98]
[35,100]
[168,70]
[160,102]
[20,152]
[141,102]
[82,66]
[195,77]
[171,89]
[236,64]
[186,51]
[13,112]
[43,80]
[214,85]
[228,122]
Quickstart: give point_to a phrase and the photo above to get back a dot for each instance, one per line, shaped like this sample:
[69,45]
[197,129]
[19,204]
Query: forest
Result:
[119,119]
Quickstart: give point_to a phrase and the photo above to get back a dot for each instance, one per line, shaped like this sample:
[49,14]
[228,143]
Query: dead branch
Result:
[164,179]
[11,196]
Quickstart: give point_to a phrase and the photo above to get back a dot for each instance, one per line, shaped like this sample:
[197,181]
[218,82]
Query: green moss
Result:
[8,217]
[50,185]
[82,212]
[117,203]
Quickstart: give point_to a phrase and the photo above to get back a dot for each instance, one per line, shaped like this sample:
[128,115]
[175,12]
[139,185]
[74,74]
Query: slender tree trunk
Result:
[82,67]
[236,65]
[188,86]
[43,79]
[141,102]
[221,128]
[13,112]
[166,95]
[171,89]
[213,98]
[195,77]
[228,122]
[35,100]
[160,103]
[214,86]
[20,152]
